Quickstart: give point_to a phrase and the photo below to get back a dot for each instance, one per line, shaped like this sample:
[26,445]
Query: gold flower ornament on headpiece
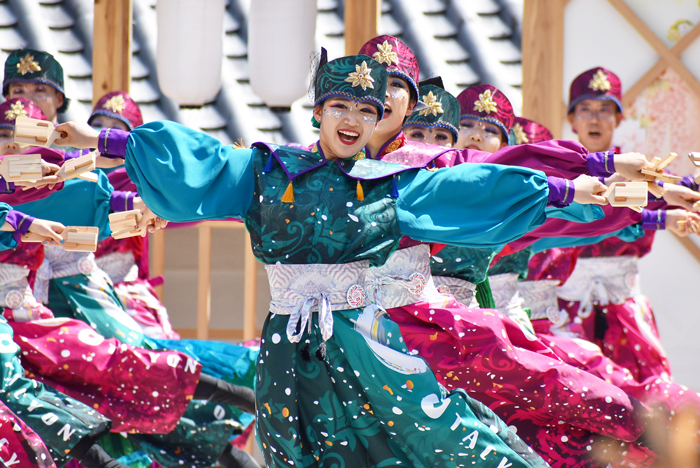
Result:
[115,104]
[599,82]
[434,106]
[361,77]
[385,54]
[519,133]
[16,110]
[27,64]
[485,103]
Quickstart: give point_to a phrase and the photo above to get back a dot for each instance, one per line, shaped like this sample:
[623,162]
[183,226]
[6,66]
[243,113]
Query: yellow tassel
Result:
[360,192]
[288,196]
[239,144]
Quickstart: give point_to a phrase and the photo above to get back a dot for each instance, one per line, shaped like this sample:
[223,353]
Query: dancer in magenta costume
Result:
[621,321]
[448,323]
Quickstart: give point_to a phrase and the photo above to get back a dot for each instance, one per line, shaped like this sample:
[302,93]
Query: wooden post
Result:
[111,52]
[543,62]
[156,245]
[250,289]
[204,282]
[361,23]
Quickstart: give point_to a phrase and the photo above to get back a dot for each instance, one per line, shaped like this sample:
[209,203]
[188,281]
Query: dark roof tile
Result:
[7,16]
[143,91]
[76,65]
[65,40]
[231,24]
[327,5]
[10,39]
[139,70]
[484,7]
[452,51]
[495,27]
[235,46]
[57,17]
[388,25]
[330,24]
[440,26]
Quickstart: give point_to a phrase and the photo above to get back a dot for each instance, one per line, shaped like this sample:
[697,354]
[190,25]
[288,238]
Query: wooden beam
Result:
[250,290]
[361,23]
[111,52]
[669,58]
[204,283]
[543,62]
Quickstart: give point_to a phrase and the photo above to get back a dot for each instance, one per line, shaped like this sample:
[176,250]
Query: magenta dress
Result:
[558,409]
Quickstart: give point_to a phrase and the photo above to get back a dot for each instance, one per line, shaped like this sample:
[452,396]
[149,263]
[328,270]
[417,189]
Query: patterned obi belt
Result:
[541,298]
[59,263]
[462,290]
[300,290]
[602,280]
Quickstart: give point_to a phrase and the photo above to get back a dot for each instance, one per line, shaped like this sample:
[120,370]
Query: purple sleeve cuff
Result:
[601,163]
[121,201]
[561,191]
[112,143]
[19,221]
[653,220]
[689,181]
[6,187]
[76,154]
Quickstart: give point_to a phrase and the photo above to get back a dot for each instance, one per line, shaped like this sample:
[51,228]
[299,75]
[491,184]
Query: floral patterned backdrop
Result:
[664,118]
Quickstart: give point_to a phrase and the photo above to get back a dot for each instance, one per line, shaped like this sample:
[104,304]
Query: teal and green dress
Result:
[339,388]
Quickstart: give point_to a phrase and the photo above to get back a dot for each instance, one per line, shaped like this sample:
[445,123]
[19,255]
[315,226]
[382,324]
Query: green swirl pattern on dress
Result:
[514,263]
[326,223]
[467,263]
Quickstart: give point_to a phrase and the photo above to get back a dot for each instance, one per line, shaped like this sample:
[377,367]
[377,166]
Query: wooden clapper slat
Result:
[79,167]
[35,132]
[630,194]
[80,238]
[658,171]
[21,168]
[75,238]
[123,224]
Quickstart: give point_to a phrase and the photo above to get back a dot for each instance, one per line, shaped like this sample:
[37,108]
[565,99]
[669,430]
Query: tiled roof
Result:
[464,41]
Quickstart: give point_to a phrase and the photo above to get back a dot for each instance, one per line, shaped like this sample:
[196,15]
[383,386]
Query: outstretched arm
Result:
[182,175]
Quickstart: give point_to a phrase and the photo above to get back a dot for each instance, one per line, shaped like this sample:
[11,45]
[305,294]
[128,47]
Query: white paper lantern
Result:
[280,44]
[190,49]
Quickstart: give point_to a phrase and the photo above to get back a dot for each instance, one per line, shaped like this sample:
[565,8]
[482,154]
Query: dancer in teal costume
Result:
[338,387]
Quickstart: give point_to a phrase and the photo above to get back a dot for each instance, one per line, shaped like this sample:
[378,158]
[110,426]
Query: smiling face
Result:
[7,144]
[397,106]
[595,122]
[482,136]
[44,96]
[434,136]
[346,126]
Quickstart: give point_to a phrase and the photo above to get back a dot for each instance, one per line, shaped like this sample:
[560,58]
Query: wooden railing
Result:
[250,283]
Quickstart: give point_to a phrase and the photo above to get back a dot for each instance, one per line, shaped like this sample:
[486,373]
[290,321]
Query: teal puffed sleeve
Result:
[79,203]
[184,175]
[7,239]
[627,234]
[471,205]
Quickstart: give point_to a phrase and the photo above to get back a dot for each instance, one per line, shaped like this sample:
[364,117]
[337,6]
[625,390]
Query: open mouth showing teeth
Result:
[348,137]
[594,134]
[387,111]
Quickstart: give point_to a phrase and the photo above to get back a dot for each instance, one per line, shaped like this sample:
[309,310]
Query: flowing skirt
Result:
[559,410]
[140,390]
[361,399]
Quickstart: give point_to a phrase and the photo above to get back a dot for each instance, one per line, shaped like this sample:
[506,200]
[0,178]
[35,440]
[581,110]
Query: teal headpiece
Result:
[33,66]
[441,109]
[358,78]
